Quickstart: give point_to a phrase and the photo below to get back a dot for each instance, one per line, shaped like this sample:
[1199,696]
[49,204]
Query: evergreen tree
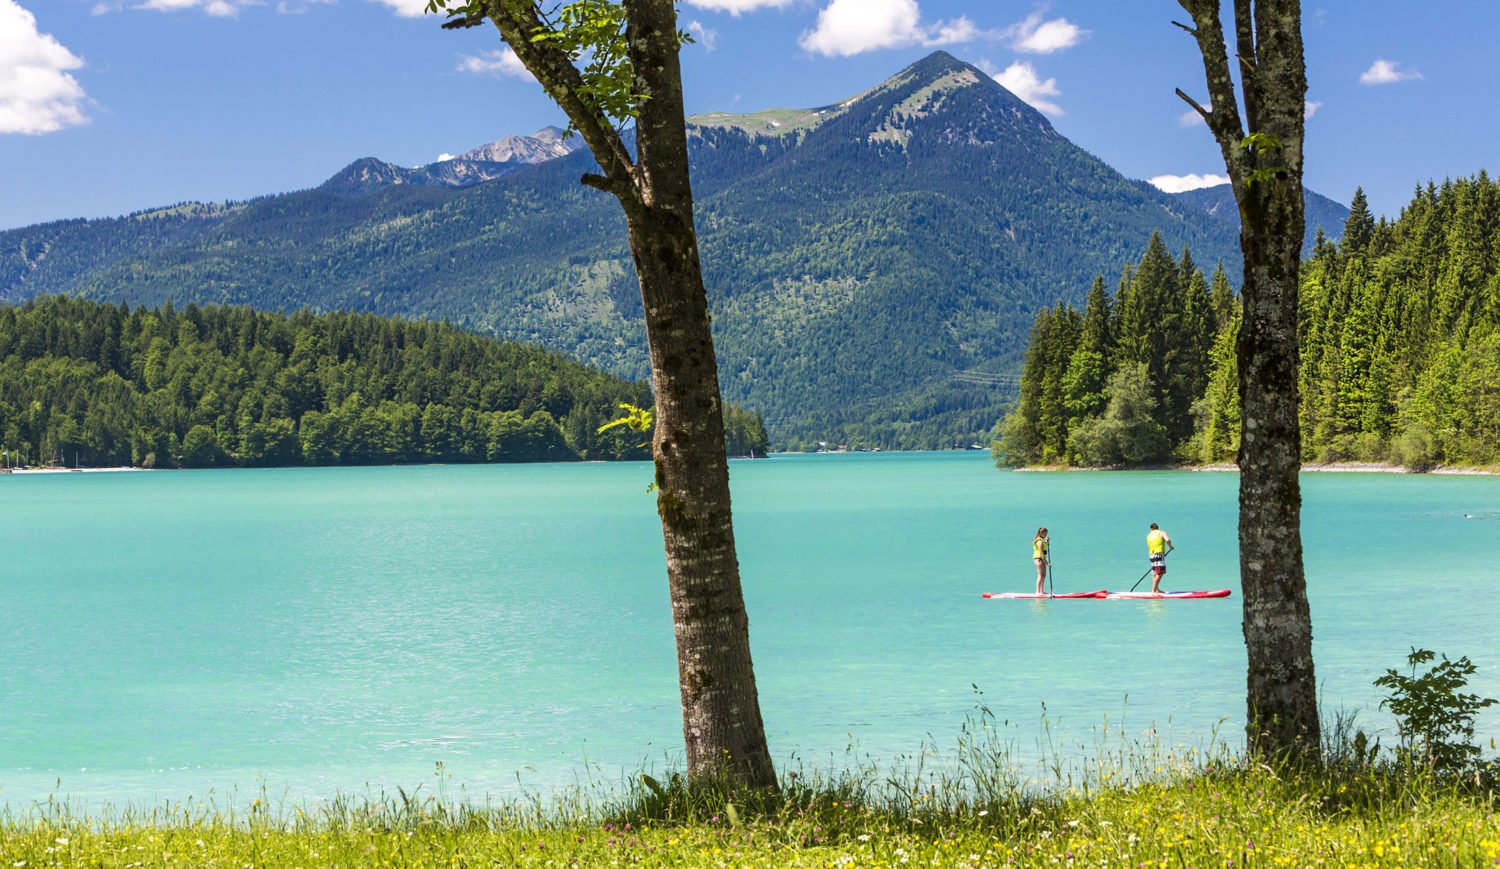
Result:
[211,386]
[1128,432]
[1359,227]
[1218,413]
[1221,299]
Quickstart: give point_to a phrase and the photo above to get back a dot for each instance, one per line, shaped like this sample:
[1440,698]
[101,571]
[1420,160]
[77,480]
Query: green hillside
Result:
[873,266]
[1399,338]
[97,384]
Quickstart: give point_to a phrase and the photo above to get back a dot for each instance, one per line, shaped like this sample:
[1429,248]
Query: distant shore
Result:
[1309,467]
[71,470]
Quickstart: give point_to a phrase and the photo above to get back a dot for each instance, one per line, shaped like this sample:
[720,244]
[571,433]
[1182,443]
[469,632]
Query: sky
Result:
[114,106]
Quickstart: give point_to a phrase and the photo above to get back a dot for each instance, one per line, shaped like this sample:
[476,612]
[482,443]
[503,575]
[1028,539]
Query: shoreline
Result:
[1307,468]
[73,470]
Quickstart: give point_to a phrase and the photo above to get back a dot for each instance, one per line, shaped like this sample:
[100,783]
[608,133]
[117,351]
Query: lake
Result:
[208,634]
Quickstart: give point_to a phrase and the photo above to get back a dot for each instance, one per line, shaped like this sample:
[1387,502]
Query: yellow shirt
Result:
[1039,547]
[1156,542]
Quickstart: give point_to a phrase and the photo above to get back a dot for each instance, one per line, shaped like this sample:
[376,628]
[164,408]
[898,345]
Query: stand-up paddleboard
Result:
[1167,595]
[1072,595]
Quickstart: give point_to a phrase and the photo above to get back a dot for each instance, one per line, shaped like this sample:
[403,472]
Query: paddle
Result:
[1148,570]
[1051,592]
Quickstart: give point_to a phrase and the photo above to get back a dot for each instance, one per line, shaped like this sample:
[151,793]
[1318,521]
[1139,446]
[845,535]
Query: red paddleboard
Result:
[1072,595]
[1168,595]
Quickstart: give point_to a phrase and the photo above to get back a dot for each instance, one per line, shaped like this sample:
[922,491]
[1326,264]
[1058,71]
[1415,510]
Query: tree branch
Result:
[608,185]
[1244,44]
[1224,119]
[1194,103]
[518,23]
[652,44]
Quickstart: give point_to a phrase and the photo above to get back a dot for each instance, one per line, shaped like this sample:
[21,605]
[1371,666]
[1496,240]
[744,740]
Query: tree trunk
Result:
[1281,689]
[721,720]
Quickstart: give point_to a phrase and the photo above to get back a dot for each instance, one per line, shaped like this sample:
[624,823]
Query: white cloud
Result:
[1310,108]
[1035,36]
[37,95]
[500,62]
[848,27]
[445,157]
[1190,181]
[407,8]
[703,35]
[217,8]
[1021,79]
[1191,118]
[958,30]
[1384,71]
[737,7]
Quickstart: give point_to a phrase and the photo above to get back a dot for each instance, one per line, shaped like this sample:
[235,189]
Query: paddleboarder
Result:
[1158,544]
[1041,553]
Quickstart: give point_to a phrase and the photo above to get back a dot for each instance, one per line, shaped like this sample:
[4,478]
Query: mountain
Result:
[1218,202]
[545,144]
[485,163]
[874,265]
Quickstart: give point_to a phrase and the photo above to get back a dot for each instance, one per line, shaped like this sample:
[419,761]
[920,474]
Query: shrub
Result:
[1434,718]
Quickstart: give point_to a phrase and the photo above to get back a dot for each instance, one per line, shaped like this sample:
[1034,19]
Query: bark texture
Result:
[722,725]
[1266,172]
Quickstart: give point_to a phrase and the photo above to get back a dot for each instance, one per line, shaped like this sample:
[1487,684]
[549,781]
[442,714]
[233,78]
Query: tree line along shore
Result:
[1399,336]
[90,384]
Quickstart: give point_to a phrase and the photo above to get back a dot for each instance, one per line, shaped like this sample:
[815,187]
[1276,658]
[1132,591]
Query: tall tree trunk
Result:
[1265,168]
[721,719]
[1281,687]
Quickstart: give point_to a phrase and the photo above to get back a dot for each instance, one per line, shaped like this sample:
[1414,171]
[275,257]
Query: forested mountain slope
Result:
[872,265]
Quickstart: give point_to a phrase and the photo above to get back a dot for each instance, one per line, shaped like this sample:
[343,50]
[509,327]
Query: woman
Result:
[1041,553]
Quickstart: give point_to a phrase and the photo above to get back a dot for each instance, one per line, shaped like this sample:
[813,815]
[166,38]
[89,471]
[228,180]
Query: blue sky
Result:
[110,106]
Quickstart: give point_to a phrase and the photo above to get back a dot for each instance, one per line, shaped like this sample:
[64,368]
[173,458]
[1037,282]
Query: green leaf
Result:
[638,418]
[1261,142]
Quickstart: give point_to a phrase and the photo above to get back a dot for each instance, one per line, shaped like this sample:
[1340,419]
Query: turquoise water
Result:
[211,633]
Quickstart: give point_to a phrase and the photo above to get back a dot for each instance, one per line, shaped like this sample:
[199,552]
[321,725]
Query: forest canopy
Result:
[106,385]
[1400,351]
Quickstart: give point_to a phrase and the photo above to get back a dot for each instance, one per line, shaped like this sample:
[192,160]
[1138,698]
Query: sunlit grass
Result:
[1133,804]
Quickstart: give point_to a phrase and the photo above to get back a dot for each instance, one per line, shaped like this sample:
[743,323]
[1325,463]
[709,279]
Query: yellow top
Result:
[1039,546]
[1156,542]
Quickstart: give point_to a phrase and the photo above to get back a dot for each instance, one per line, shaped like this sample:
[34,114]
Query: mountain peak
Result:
[365,174]
[545,144]
[937,64]
[938,91]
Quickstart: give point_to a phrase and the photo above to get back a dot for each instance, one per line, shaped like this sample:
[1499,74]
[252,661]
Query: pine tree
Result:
[1359,226]
[1219,410]
[1222,299]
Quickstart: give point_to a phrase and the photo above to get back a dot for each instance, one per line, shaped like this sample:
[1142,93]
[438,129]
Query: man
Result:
[1158,544]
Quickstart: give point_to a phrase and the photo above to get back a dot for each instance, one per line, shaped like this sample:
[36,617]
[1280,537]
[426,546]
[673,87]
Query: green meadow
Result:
[1134,805]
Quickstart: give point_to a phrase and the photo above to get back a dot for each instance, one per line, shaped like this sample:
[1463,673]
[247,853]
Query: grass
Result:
[1132,805]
